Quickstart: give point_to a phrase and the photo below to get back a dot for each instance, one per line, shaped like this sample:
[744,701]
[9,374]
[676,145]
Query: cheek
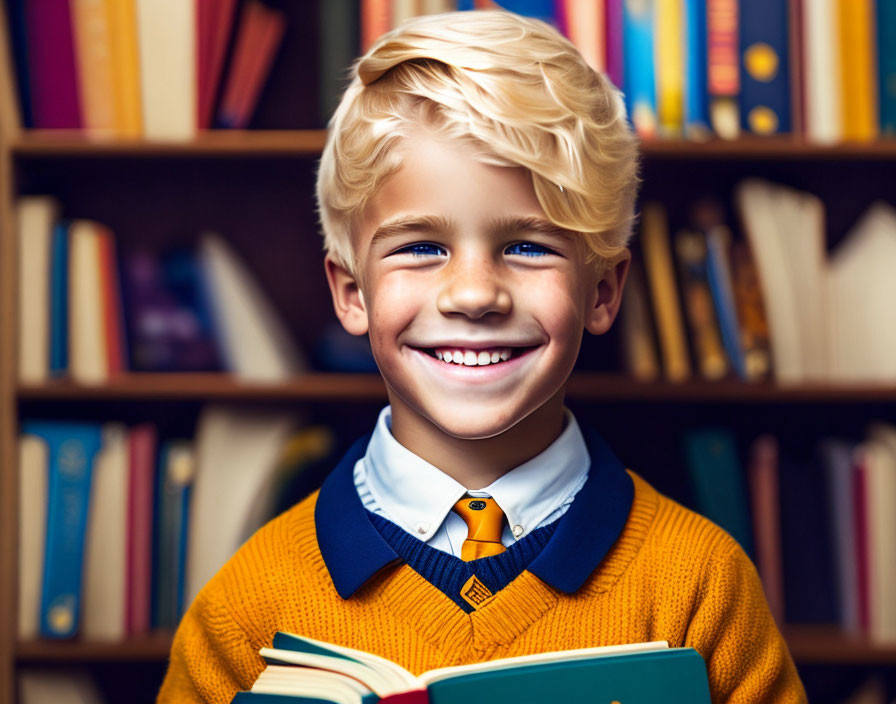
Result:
[560,305]
[392,304]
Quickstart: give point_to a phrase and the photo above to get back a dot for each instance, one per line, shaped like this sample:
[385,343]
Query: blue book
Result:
[696,109]
[18,31]
[886,66]
[59,300]
[71,451]
[638,17]
[639,673]
[764,67]
[718,272]
[718,482]
[540,9]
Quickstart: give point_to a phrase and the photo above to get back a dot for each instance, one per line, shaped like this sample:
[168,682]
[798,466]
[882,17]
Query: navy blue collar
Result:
[354,551]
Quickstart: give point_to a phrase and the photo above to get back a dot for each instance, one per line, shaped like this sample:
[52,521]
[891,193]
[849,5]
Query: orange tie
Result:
[485,521]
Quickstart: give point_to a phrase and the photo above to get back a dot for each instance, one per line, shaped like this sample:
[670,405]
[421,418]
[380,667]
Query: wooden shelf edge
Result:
[808,645]
[583,386]
[310,143]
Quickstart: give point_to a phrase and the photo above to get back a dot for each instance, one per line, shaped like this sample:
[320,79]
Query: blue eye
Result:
[529,249]
[422,249]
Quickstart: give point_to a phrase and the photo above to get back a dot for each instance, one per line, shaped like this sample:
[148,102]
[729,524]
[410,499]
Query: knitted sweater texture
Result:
[672,575]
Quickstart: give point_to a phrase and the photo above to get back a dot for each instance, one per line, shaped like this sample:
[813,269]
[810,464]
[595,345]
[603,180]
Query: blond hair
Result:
[510,86]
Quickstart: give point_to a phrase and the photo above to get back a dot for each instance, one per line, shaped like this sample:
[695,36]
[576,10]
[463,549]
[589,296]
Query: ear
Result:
[609,296]
[348,300]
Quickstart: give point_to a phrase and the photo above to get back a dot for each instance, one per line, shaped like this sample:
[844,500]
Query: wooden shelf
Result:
[808,645]
[213,143]
[151,648]
[583,386]
[309,143]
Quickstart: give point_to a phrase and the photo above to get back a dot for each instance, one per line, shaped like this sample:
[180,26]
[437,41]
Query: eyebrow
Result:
[436,224]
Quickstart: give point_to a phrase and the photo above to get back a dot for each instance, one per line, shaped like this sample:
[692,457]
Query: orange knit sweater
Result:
[672,575]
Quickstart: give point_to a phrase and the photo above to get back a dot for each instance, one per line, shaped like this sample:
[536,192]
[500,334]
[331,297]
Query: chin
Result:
[476,425]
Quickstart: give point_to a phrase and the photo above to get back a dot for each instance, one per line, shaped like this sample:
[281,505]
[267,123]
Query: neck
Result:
[476,463]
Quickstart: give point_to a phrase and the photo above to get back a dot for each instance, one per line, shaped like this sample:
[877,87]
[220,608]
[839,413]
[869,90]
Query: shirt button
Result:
[517,531]
[422,528]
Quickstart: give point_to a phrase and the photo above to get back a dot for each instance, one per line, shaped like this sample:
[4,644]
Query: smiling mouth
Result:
[475,358]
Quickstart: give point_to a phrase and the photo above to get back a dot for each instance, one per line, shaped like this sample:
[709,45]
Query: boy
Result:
[476,194]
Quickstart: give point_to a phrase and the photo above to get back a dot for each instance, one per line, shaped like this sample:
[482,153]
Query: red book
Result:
[796,53]
[766,505]
[141,480]
[258,38]
[214,22]
[110,295]
[723,71]
[860,516]
[376,19]
[55,94]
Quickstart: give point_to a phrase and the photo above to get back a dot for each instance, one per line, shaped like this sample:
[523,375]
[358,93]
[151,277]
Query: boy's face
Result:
[456,259]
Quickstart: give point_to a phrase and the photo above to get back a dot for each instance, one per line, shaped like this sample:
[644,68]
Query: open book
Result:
[304,670]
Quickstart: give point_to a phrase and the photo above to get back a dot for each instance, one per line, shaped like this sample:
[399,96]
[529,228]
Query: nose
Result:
[473,288]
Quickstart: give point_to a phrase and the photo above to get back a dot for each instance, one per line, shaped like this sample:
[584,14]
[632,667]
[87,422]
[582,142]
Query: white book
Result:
[87,360]
[105,559]
[255,342]
[236,450]
[36,218]
[861,288]
[824,119]
[881,511]
[33,471]
[786,233]
[66,686]
[166,31]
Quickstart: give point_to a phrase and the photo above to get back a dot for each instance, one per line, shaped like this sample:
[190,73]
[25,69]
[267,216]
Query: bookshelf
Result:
[260,180]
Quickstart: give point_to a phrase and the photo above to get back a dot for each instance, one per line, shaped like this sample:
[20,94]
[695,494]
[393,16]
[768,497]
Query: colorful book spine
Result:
[718,269]
[71,450]
[138,600]
[670,66]
[639,18]
[93,52]
[886,66]
[59,300]
[696,112]
[765,502]
[722,81]
[858,83]
[125,67]
[754,334]
[52,68]
[765,68]
[615,42]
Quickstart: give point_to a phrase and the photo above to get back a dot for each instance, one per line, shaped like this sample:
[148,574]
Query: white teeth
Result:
[473,358]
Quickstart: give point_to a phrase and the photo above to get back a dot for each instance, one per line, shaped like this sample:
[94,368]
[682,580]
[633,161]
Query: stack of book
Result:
[89,312]
[119,525]
[821,528]
[823,69]
[772,302]
[161,69]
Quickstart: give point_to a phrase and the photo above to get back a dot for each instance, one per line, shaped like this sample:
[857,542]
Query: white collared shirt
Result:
[395,483]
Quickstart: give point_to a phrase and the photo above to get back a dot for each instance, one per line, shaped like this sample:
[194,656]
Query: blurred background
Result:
[169,355]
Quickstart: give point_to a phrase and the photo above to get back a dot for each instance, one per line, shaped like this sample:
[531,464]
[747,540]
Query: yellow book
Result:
[122,16]
[93,55]
[669,66]
[858,80]
[664,292]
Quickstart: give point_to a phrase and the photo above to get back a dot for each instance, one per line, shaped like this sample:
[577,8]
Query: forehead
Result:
[452,181]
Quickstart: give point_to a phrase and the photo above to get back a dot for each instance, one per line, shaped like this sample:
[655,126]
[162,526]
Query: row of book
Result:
[825,69]
[160,69]
[709,304]
[819,525]
[89,312]
[120,525]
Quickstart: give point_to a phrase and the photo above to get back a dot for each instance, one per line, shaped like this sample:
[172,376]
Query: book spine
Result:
[55,92]
[126,68]
[670,66]
[860,516]
[824,120]
[585,28]
[696,114]
[615,43]
[765,502]
[796,56]
[93,51]
[142,445]
[750,308]
[640,82]
[722,77]
[764,67]
[59,301]
[71,450]
[886,65]
[18,32]
[858,80]
[718,244]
